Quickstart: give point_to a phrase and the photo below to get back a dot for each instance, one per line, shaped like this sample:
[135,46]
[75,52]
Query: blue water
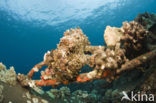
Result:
[28,28]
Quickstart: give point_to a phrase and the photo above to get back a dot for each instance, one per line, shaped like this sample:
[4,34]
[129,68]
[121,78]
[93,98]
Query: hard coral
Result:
[1,95]
[69,57]
[74,51]
[134,38]
[146,20]
[65,62]
[131,37]
[7,76]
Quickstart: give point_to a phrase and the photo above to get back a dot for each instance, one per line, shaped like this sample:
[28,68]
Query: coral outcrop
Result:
[130,47]
[131,37]
[11,91]
[147,20]
[66,96]
[58,94]
[7,75]
[134,38]
[112,35]
[65,62]
[126,49]
[1,95]
[124,46]
[149,86]
[69,56]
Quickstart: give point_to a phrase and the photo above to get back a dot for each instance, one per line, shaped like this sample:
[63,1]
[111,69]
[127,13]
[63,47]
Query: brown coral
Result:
[65,62]
[146,20]
[74,51]
[133,38]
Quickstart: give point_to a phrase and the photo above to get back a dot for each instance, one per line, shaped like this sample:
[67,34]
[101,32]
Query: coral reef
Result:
[1,91]
[149,86]
[124,47]
[7,75]
[66,96]
[128,58]
[107,60]
[128,48]
[58,94]
[146,20]
[84,97]
[12,92]
[65,62]
[131,37]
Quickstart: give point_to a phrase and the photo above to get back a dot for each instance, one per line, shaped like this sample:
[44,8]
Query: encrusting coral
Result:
[146,20]
[66,96]
[134,38]
[126,46]
[7,75]
[131,37]
[65,62]
[1,95]
[129,47]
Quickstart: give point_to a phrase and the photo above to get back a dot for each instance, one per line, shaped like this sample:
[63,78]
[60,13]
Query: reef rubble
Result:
[126,63]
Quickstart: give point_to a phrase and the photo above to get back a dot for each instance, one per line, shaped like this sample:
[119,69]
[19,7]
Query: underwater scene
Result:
[77,51]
